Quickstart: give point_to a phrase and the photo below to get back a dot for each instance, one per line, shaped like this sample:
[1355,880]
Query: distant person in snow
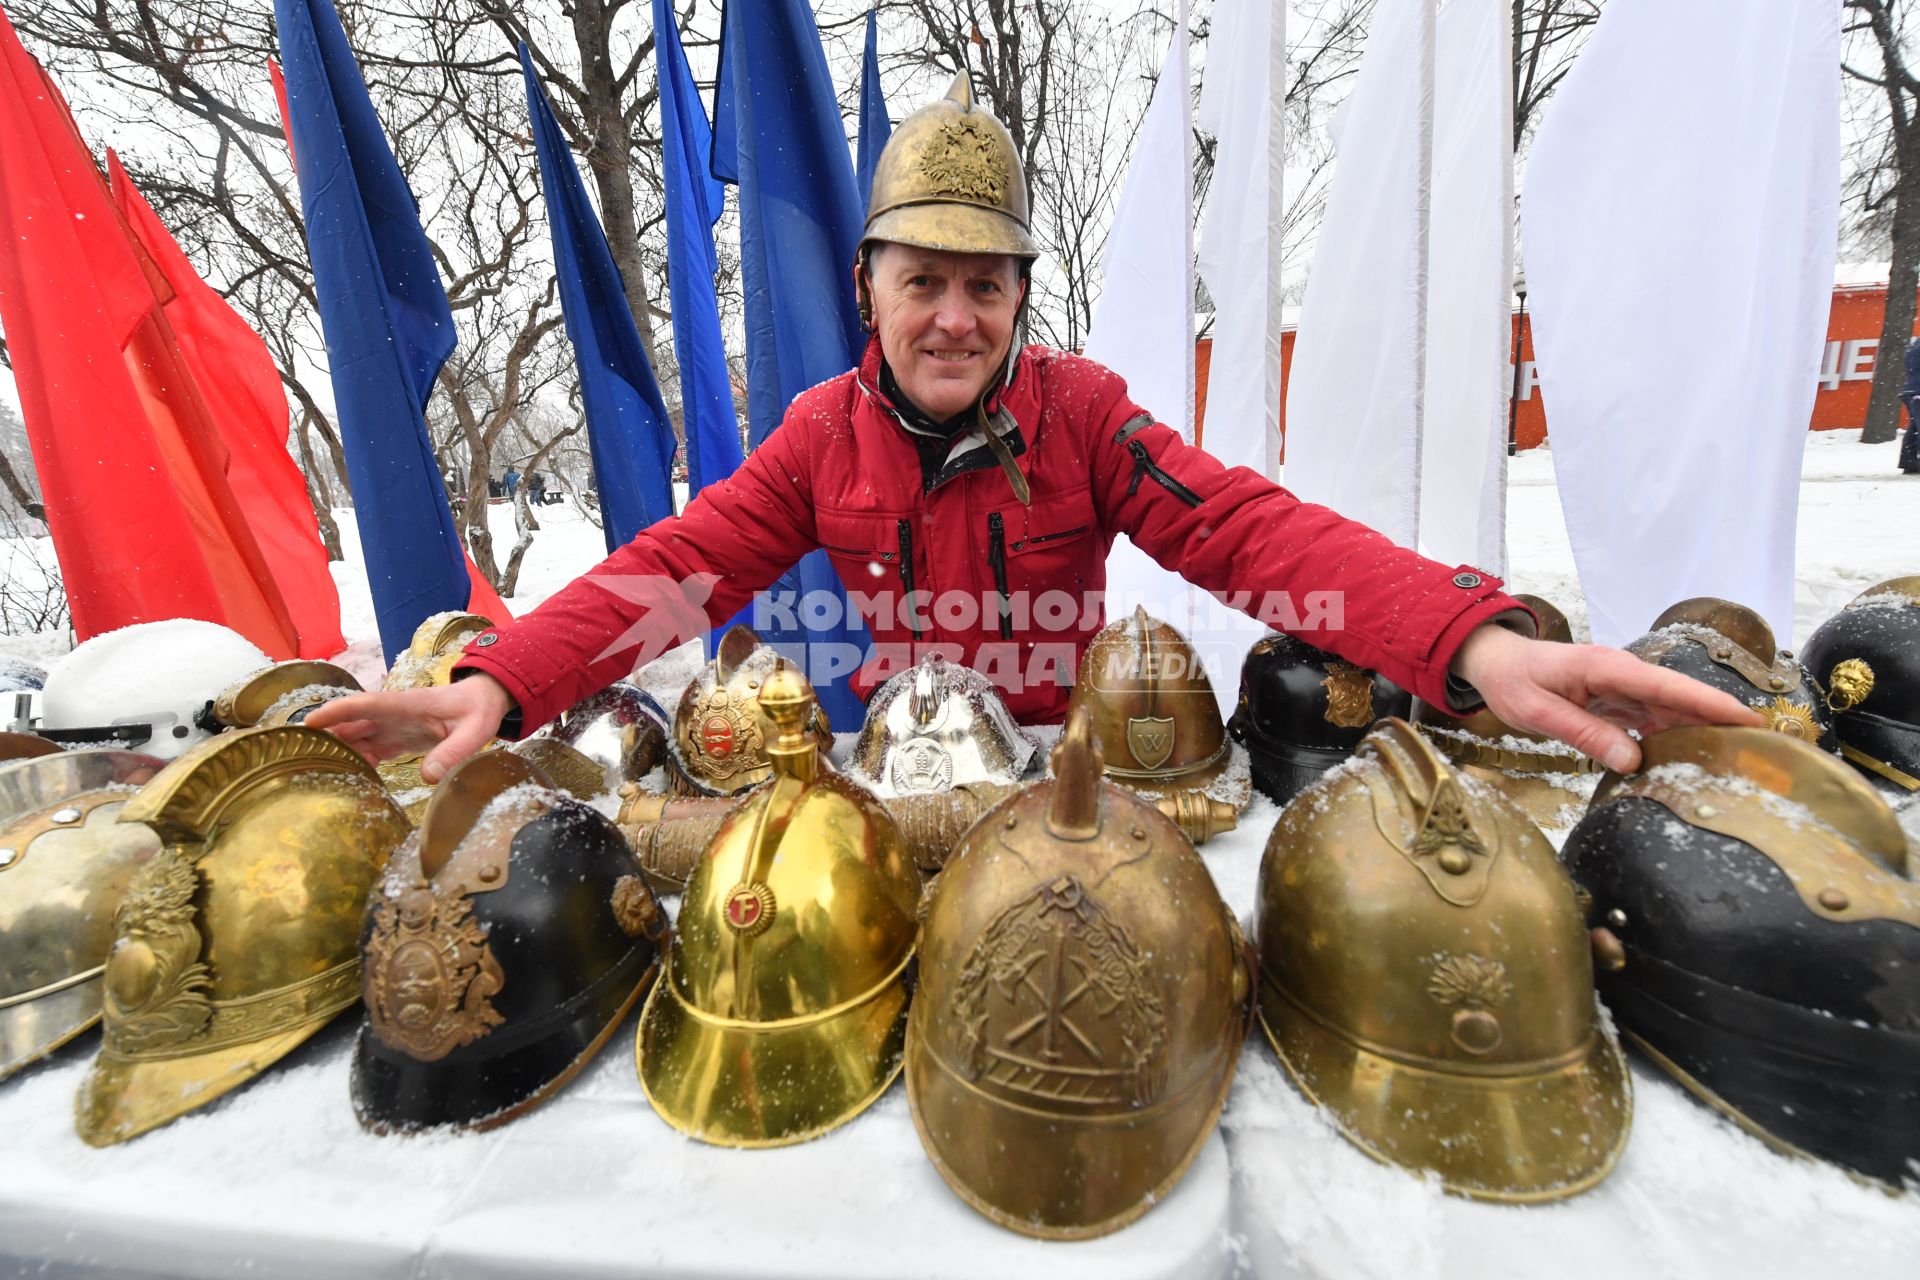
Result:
[512,481]
[1910,397]
[964,485]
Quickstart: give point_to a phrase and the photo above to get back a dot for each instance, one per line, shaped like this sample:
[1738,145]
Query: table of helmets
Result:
[279,1179]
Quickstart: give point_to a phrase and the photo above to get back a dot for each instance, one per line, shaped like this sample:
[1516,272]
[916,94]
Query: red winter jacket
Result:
[969,569]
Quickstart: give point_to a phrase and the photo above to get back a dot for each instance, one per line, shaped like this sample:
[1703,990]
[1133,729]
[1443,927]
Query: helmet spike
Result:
[1075,811]
[962,90]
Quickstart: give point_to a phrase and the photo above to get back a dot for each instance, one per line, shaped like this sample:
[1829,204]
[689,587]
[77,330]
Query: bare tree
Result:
[1885,186]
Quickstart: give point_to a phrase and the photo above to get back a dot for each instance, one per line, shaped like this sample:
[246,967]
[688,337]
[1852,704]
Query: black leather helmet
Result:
[509,939]
[1756,933]
[1867,657]
[1302,710]
[1731,648]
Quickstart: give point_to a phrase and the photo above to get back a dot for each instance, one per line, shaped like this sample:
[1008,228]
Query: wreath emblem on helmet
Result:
[960,161]
[1055,1003]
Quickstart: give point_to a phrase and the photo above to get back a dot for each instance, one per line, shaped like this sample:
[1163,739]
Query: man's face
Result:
[945,321]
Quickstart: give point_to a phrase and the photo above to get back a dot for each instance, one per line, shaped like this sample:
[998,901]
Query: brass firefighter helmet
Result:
[1151,707]
[784,1002]
[936,726]
[1082,1003]
[239,939]
[949,179]
[282,694]
[1731,648]
[509,937]
[1540,774]
[1754,902]
[1425,975]
[437,646]
[65,860]
[717,747]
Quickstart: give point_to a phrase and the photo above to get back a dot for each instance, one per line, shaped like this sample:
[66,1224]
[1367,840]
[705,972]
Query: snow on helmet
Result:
[148,687]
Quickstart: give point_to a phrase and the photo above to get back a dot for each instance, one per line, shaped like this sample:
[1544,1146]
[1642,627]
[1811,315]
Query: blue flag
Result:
[694,203]
[777,133]
[384,313]
[875,128]
[627,430]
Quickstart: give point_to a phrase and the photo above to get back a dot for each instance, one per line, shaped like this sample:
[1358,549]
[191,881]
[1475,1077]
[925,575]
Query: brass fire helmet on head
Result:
[936,726]
[1082,1004]
[1151,707]
[239,939]
[1425,975]
[509,937]
[784,1002]
[949,179]
[1535,776]
[718,747]
[65,861]
[1731,648]
[1754,900]
[1868,658]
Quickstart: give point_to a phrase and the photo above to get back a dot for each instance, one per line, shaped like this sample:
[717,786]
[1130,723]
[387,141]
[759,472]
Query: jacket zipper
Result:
[1039,538]
[997,557]
[906,571]
[1145,465]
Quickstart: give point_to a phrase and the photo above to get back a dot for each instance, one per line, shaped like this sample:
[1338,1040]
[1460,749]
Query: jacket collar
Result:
[968,450]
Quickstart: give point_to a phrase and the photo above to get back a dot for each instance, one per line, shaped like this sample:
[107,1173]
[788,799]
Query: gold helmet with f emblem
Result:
[240,938]
[949,179]
[65,861]
[1082,1003]
[784,1002]
[1151,707]
[1425,975]
[717,747]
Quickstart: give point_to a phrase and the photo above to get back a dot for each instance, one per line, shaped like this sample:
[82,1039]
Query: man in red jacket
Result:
[968,491]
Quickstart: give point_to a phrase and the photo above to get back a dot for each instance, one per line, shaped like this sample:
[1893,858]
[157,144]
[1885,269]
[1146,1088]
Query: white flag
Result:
[1242,104]
[1359,361]
[1463,451]
[1142,325]
[1681,219]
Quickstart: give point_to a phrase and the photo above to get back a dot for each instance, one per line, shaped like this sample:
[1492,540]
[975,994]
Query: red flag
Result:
[280,96]
[143,520]
[240,387]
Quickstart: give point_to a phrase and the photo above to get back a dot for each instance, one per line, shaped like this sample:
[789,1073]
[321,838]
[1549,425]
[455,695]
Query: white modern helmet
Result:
[149,687]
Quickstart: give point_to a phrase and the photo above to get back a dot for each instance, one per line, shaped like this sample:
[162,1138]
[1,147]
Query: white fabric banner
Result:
[1355,389]
[1242,104]
[1142,324]
[1672,194]
[1463,450]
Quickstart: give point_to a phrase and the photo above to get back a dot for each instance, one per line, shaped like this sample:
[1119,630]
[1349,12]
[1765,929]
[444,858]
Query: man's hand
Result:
[1588,695]
[449,723]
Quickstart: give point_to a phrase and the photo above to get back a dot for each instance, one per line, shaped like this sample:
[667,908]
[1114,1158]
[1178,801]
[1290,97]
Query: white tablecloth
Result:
[278,1179]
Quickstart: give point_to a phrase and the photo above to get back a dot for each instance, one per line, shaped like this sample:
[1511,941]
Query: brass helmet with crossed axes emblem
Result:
[717,747]
[783,1005]
[1150,706]
[1083,1000]
[1425,975]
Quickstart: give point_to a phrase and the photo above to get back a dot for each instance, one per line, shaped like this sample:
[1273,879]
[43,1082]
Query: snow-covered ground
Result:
[280,1171]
